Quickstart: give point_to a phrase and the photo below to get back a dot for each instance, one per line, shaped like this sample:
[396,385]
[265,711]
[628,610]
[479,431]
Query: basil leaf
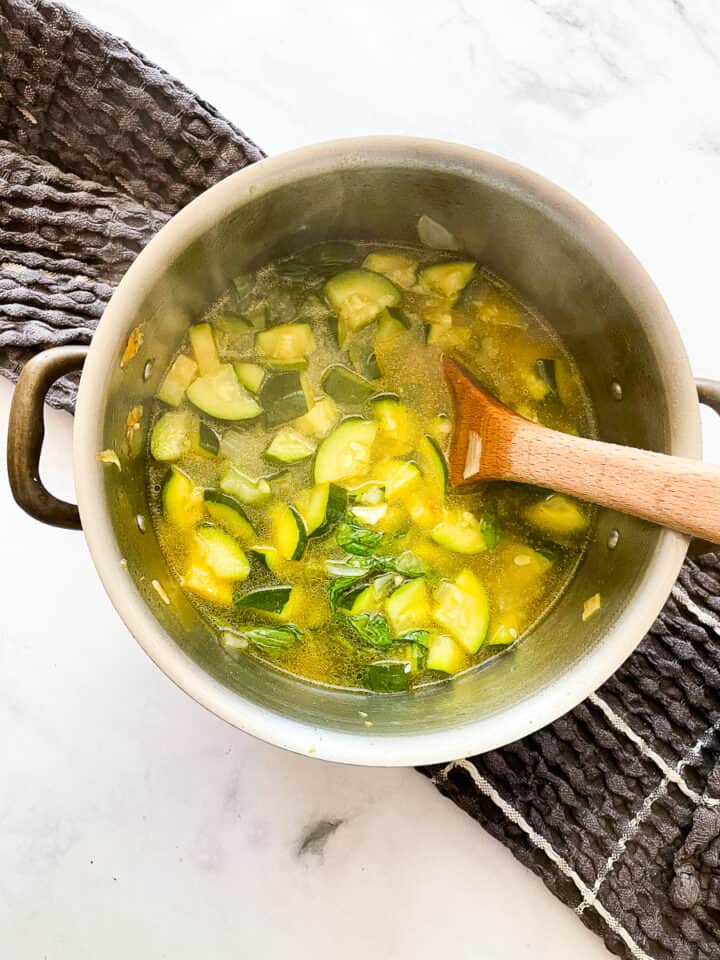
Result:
[351,567]
[267,639]
[490,530]
[387,676]
[421,637]
[338,588]
[357,539]
[371,627]
[407,564]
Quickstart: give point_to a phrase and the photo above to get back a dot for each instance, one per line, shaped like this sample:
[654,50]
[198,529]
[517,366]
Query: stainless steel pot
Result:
[551,249]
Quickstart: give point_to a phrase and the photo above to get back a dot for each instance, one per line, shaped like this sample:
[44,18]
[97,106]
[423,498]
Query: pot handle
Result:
[26,432]
[709,394]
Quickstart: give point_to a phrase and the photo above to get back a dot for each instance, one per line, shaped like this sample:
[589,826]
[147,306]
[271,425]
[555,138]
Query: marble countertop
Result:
[132,822]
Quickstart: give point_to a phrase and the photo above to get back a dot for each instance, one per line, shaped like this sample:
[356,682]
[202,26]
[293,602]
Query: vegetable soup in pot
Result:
[297,474]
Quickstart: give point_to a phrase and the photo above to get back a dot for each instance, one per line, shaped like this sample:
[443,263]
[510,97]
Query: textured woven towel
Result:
[617,805]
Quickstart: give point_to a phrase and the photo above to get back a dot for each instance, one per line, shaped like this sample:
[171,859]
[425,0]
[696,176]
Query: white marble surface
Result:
[133,823]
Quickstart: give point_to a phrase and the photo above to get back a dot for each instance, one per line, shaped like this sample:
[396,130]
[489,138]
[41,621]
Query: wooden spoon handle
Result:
[678,493]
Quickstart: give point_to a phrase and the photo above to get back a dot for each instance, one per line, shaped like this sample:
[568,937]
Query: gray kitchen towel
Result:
[616,806]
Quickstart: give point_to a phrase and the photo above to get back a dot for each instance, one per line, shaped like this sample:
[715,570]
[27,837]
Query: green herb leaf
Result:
[387,676]
[371,627]
[267,639]
[407,564]
[490,530]
[354,538]
[421,637]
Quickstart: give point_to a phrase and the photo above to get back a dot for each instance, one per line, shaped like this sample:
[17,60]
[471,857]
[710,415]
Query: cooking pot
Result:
[560,258]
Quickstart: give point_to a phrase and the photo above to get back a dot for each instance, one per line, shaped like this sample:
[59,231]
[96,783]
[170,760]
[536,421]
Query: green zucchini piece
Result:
[370,514]
[287,342]
[319,420]
[397,475]
[359,296]
[346,387]
[362,357]
[462,607]
[182,500]
[390,324]
[289,446]
[220,395]
[176,381]
[408,607]
[268,557]
[228,512]
[444,654]
[345,452]
[435,464]
[397,424]
[204,348]
[173,435]
[545,370]
[461,532]
[285,396]
[396,267]
[208,440]
[250,375]
[268,599]
[504,631]
[557,516]
[322,508]
[447,279]
[387,676]
[244,488]
[288,531]
[220,553]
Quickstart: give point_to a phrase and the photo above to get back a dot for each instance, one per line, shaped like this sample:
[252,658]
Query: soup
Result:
[297,468]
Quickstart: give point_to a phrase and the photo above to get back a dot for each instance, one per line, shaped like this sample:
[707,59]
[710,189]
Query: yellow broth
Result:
[494,335]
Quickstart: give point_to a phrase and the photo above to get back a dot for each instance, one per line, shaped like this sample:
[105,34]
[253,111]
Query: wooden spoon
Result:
[491,442]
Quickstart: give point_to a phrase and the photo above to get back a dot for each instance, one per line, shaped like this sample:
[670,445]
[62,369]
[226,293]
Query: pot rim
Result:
[362,747]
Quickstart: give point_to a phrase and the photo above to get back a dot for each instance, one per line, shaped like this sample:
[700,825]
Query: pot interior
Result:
[565,266]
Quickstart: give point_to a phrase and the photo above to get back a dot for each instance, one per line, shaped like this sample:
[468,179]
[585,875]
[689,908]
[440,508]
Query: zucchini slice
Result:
[399,269]
[219,553]
[221,395]
[346,452]
[284,396]
[398,430]
[268,557]
[558,516]
[447,279]
[244,488]
[390,325]
[363,358]
[434,464]
[250,375]
[319,420]
[268,599]
[462,607]
[359,296]
[207,440]
[205,584]
[204,348]
[289,446]
[346,387]
[287,342]
[176,381]
[397,476]
[288,532]
[322,508]
[182,501]
[228,512]
[408,607]
[504,631]
[461,532]
[444,654]
[173,435]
